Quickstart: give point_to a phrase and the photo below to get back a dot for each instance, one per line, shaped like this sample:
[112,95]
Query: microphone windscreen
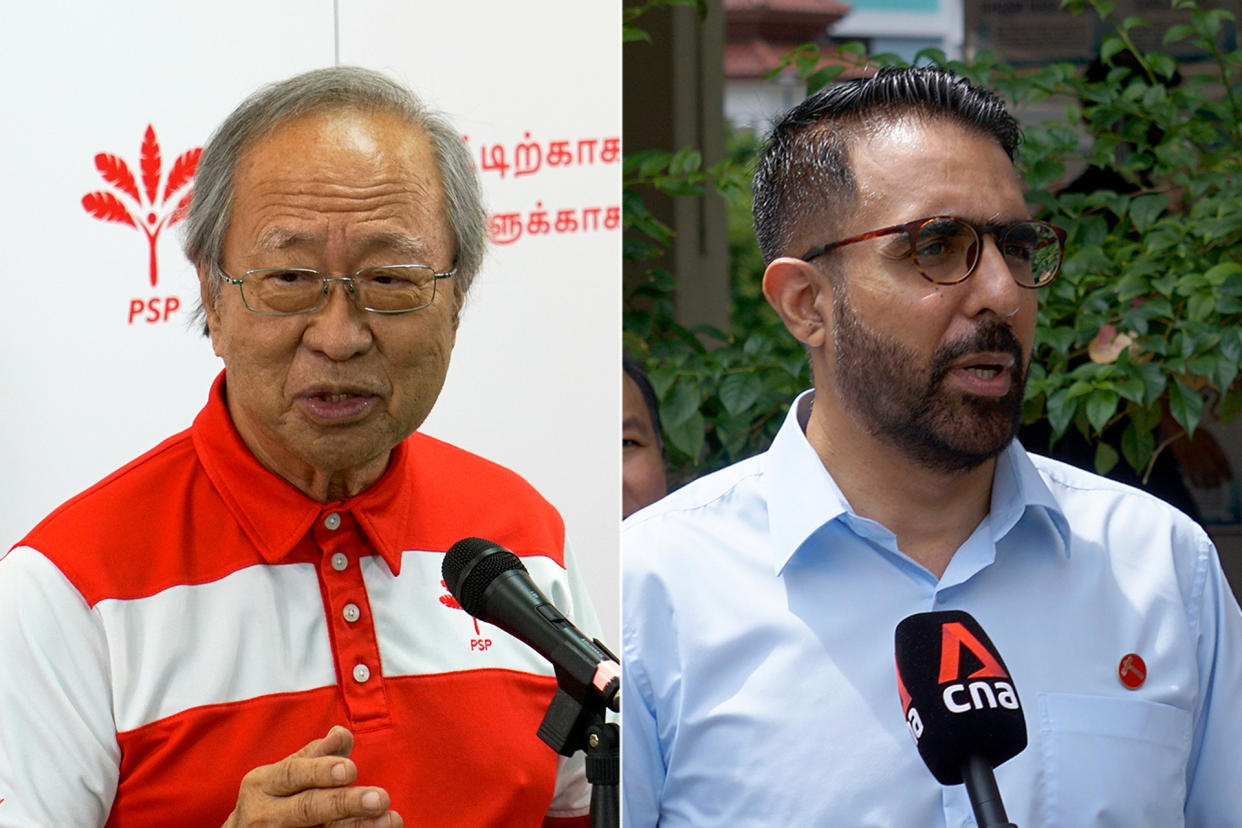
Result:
[956,693]
[470,566]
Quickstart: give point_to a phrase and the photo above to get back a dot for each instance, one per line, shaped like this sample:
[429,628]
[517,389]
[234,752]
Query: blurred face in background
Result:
[642,465]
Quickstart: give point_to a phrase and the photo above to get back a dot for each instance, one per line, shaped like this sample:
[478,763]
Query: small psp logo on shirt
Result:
[477,645]
[145,205]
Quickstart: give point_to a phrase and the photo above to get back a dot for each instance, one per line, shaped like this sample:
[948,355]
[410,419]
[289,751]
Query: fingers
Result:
[389,820]
[322,763]
[339,807]
[346,806]
[312,787]
[296,773]
[338,742]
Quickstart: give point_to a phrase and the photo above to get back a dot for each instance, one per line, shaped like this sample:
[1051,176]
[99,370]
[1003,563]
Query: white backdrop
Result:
[100,364]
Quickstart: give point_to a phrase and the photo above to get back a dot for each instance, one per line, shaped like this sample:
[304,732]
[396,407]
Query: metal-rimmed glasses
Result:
[287,291]
[945,249]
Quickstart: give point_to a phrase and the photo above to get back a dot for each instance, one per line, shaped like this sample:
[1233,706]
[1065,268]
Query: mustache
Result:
[990,336]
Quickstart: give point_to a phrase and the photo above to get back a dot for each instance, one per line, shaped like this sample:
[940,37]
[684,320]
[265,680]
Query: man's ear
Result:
[793,287]
[211,311]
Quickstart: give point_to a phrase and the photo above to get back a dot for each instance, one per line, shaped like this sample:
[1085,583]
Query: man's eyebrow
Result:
[277,238]
[412,249]
[637,421]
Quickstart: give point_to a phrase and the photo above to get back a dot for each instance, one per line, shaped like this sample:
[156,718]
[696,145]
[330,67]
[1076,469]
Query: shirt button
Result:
[339,561]
[361,673]
[351,613]
[332,521]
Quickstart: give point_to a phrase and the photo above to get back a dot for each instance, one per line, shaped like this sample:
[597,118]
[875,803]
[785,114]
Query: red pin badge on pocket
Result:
[1132,671]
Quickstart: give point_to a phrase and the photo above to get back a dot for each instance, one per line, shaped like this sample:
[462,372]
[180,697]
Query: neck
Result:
[329,488]
[931,512]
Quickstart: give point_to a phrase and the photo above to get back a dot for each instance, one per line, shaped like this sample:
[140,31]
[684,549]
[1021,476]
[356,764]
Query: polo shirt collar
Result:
[802,497]
[274,515]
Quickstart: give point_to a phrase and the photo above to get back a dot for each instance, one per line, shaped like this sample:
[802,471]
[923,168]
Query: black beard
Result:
[880,381]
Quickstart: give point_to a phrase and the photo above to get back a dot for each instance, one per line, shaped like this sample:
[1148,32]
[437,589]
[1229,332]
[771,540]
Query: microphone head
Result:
[956,693]
[470,566]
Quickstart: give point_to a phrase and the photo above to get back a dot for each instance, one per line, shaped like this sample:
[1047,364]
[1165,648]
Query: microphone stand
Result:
[576,721]
[985,798]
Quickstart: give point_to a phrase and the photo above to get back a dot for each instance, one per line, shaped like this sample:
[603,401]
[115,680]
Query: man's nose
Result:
[340,328]
[992,285]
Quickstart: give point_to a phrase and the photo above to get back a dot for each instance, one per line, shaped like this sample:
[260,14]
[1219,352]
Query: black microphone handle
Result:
[985,798]
[531,618]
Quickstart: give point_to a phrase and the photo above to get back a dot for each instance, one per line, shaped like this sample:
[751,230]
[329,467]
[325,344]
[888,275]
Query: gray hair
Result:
[337,87]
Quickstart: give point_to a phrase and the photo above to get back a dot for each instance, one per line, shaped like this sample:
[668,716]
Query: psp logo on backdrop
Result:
[152,205]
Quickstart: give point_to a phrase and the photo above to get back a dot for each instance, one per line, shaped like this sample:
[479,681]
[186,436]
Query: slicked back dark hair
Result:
[804,171]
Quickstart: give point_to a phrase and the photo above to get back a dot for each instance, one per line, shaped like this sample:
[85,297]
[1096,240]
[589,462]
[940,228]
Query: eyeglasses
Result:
[946,249]
[286,291]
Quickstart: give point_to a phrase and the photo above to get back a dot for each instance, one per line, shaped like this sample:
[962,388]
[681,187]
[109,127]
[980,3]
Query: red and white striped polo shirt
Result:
[192,616]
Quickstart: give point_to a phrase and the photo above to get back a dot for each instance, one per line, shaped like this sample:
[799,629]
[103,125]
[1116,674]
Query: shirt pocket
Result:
[1112,762]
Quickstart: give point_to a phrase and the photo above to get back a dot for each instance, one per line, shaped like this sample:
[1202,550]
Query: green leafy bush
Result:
[1145,319]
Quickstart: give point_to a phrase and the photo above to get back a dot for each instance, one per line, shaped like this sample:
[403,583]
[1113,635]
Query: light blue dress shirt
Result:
[758,619]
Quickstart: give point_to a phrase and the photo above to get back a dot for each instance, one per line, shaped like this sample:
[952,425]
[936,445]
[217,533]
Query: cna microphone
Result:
[960,705]
[492,584]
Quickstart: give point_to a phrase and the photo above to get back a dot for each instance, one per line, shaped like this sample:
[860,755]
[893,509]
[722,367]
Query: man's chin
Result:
[964,436]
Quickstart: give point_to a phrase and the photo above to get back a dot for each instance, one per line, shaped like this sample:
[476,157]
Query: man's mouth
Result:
[336,406]
[984,371]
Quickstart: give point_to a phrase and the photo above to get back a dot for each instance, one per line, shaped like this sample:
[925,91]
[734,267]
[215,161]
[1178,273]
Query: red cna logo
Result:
[144,207]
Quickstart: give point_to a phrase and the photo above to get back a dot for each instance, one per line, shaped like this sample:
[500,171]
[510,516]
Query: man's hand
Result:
[312,788]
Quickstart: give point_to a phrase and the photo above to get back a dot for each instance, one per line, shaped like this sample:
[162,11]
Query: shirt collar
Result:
[1018,488]
[274,515]
[800,494]
[802,497]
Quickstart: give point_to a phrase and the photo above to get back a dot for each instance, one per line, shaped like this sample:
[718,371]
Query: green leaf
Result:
[1100,407]
[1080,388]
[738,392]
[1131,388]
[662,378]
[1145,209]
[1061,410]
[1185,405]
[1110,47]
[1105,458]
[1178,32]
[1230,405]
[688,436]
[1162,65]
[679,406]
[820,78]
[685,160]
[1137,446]
[1154,381]
[1225,272]
[1201,307]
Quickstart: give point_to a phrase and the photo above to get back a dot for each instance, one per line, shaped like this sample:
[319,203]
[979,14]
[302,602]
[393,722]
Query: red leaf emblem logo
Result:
[449,601]
[151,212]
[107,207]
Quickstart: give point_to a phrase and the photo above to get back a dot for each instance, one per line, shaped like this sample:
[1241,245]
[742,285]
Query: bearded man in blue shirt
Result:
[759,602]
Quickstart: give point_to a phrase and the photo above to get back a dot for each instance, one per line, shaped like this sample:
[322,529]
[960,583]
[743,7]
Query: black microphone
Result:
[960,705]
[492,584]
